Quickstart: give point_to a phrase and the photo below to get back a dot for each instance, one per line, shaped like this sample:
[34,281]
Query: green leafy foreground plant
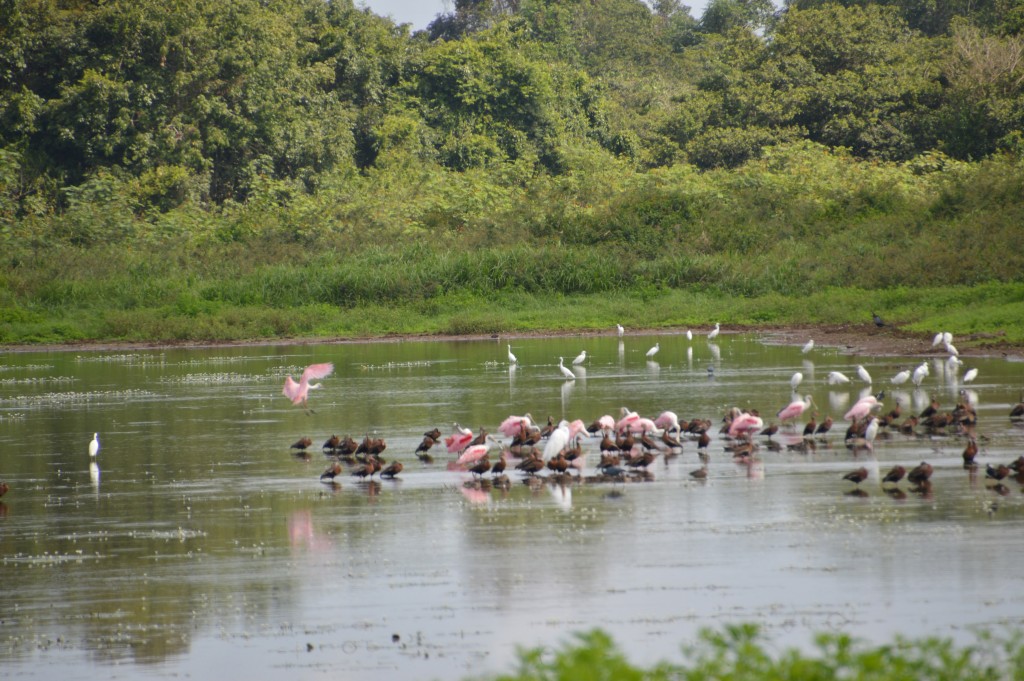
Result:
[741,652]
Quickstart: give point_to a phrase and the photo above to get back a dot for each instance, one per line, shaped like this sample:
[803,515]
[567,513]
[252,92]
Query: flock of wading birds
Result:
[631,443]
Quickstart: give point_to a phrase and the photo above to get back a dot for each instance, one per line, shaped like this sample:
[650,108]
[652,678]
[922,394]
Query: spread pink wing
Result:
[512,426]
[457,442]
[315,371]
[291,390]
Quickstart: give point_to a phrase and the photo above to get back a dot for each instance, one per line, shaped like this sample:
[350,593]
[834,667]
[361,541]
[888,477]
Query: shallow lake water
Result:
[199,544]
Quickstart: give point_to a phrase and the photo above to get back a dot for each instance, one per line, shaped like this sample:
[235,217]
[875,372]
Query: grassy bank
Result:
[151,301]
[741,652]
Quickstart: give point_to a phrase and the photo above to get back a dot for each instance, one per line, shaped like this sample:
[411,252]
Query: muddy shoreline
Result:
[851,339]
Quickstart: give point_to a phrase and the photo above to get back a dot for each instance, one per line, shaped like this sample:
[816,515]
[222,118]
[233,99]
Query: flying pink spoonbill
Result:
[794,409]
[298,393]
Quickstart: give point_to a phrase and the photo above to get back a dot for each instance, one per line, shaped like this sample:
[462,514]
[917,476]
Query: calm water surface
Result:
[200,545]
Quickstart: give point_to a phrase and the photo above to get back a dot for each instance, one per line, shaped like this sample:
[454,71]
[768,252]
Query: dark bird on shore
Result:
[858,476]
[920,474]
[1017,464]
[346,447]
[301,443]
[895,474]
[391,470]
[970,451]
[996,472]
[332,470]
[434,435]
[703,441]
[4,488]
[908,425]
[770,430]
[531,465]
[822,430]
[700,473]
[931,410]
[877,320]
[332,443]
[481,466]
[367,469]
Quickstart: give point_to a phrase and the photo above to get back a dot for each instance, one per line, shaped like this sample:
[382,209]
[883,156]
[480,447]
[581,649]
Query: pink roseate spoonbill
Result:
[516,425]
[744,424]
[713,334]
[298,393]
[627,420]
[667,420]
[794,409]
[475,453]
[601,424]
[862,408]
[94,446]
[458,440]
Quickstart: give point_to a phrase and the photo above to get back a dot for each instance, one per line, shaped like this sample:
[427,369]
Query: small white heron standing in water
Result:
[808,346]
[580,358]
[566,371]
[620,329]
[511,357]
[863,373]
[94,446]
[713,334]
[653,351]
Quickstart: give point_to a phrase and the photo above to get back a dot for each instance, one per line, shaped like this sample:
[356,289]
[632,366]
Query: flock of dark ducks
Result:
[627,447]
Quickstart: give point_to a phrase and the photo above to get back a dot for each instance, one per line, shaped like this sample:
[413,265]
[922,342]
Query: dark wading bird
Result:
[858,476]
[877,320]
[333,470]
[920,474]
[301,443]
[895,474]
[392,470]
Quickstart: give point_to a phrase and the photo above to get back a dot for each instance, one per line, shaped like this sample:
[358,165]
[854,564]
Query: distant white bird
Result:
[901,377]
[796,380]
[871,432]
[94,446]
[653,351]
[689,335]
[919,373]
[511,357]
[947,337]
[808,346]
[951,349]
[937,339]
[580,358]
[713,334]
[620,329]
[970,375]
[837,377]
[565,370]
[863,373]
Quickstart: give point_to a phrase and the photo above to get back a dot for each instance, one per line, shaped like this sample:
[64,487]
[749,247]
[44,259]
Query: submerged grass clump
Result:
[741,652]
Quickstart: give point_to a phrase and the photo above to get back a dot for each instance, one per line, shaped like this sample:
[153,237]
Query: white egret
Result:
[970,375]
[796,380]
[653,351]
[837,378]
[511,358]
[689,334]
[94,446]
[713,334]
[808,346]
[863,373]
[580,358]
[565,370]
[620,330]
[901,377]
